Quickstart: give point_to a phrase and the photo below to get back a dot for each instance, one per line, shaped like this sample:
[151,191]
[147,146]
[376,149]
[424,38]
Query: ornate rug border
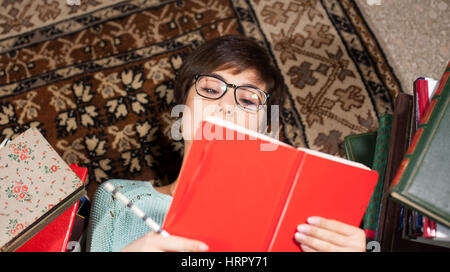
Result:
[84,21]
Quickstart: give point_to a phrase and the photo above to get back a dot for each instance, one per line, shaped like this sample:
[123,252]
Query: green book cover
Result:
[370,219]
[422,181]
[360,147]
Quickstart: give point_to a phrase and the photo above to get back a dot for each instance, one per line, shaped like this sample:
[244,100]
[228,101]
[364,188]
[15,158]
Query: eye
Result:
[210,91]
[246,101]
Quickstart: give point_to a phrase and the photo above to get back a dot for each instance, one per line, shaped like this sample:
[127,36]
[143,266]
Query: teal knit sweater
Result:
[112,225]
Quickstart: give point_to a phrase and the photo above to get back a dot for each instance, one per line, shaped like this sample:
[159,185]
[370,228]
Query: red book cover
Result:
[235,197]
[429,228]
[55,236]
[422,96]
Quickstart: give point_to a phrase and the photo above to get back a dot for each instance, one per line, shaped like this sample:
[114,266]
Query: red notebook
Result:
[55,236]
[235,197]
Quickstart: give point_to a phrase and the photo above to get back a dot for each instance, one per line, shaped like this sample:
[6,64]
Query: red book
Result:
[422,96]
[425,88]
[429,228]
[235,197]
[55,236]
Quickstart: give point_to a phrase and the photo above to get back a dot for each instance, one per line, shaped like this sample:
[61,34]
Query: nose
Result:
[226,104]
[228,111]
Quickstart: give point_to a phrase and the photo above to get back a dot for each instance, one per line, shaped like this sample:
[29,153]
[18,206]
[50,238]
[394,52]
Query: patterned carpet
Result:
[97,77]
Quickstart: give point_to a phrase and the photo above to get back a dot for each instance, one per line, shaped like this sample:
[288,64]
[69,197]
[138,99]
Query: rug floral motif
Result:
[98,83]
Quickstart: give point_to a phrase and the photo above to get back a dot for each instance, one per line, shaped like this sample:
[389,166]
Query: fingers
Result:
[176,243]
[311,244]
[331,225]
[323,234]
[306,248]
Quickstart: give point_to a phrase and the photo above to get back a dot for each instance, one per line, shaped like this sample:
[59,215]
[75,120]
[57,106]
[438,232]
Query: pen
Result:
[5,141]
[152,224]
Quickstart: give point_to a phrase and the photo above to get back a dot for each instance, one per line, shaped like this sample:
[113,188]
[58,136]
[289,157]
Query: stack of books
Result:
[42,197]
[411,154]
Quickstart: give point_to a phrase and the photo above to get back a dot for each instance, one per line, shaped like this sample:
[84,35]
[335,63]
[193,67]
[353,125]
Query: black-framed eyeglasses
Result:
[247,97]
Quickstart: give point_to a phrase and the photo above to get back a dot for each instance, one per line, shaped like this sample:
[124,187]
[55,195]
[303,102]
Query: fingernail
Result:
[313,220]
[203,247]
[300,236]
[303,228]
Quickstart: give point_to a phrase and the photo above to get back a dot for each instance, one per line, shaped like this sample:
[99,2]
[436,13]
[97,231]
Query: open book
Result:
[251,193]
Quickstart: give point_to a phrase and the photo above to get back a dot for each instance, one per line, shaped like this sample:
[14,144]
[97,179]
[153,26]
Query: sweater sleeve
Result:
[101,222]
[112,225]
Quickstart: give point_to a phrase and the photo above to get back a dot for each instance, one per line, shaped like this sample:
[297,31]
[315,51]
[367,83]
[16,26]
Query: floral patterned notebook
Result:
[36,186]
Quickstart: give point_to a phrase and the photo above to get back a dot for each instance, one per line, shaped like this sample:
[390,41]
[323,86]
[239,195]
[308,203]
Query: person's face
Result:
[225,107]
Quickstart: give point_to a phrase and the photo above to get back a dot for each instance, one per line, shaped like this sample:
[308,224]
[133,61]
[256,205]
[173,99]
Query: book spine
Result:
[348,151]
[426,128]
[415,113]
[429,228]
[69,228]
[423,96]
[398,144]
[295,174]
[371,216]
[436,105]
[81,172]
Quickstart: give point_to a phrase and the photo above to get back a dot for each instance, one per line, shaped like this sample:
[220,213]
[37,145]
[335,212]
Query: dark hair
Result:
[231,51]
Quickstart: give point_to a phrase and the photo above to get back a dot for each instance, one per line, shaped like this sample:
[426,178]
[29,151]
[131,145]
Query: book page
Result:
[432,86]
[241,129]
[333,158]
[255,134]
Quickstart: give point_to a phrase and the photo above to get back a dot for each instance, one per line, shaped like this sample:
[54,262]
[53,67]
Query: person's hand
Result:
[156,242]
[329,235]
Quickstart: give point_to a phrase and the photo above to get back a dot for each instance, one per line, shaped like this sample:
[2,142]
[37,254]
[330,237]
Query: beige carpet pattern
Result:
[415,35]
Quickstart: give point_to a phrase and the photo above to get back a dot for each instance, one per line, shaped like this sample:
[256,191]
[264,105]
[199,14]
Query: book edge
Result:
[73,214]
[424,140]
[333,158]
[238,128]
[413,203]
[43,221]
[411,156]
[243,130]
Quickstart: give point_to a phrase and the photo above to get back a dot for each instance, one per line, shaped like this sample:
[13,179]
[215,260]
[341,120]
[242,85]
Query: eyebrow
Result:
[245,85]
